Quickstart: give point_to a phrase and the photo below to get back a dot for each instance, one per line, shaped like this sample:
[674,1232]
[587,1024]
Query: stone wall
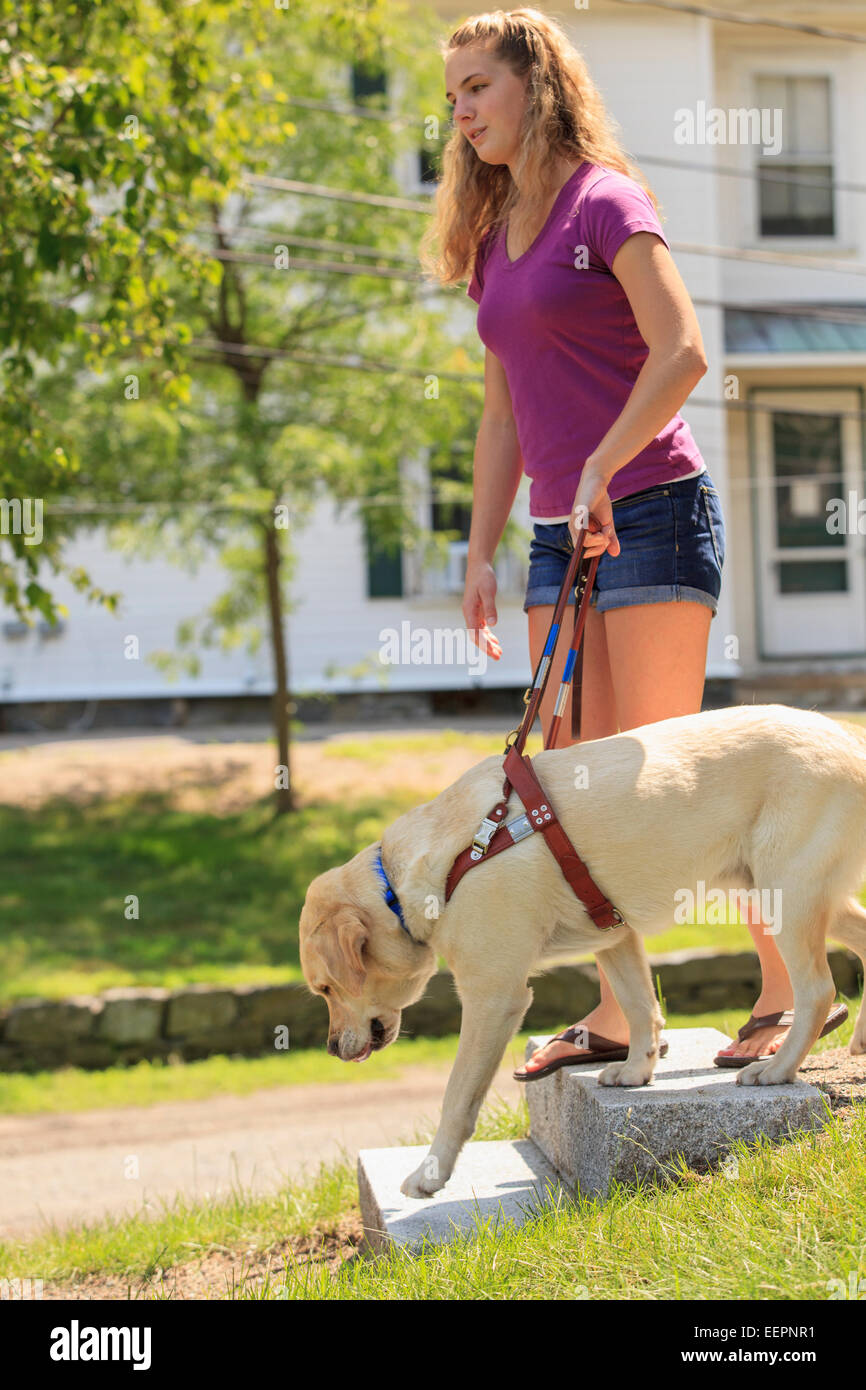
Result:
[128,1025]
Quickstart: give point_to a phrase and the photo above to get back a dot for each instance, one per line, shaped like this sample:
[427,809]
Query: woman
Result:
[592,345]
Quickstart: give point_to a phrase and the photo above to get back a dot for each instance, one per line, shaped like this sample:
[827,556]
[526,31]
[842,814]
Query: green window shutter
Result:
[384,567]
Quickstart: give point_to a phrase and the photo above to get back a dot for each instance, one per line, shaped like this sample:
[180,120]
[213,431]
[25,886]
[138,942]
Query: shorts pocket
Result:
[717,527]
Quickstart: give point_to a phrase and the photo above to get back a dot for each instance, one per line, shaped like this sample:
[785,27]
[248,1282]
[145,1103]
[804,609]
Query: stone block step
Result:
[594,1134]
[494,1181]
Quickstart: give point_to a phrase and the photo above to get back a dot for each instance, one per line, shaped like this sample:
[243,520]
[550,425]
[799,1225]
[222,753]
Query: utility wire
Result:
[354,362]
[692,248]
[766,175]
[757,254]
[345,195]
[755,20]
[457,494]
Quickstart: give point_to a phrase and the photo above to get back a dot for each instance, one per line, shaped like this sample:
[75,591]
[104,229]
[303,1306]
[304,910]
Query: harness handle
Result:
[581,574]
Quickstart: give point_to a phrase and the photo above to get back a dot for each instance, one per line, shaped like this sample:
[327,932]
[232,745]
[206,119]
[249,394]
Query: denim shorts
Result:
[672,548]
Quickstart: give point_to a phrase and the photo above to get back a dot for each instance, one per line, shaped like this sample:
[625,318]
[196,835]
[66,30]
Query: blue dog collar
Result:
[390,896]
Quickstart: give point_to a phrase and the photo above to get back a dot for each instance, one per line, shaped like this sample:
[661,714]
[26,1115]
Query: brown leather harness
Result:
[495,834]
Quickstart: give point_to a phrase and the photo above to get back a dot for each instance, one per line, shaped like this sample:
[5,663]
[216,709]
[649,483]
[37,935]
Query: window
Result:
[368,79]
[430,152]
[801,202]
[451,512]
[384,554]
[807,451]
[428,162]
[452,489]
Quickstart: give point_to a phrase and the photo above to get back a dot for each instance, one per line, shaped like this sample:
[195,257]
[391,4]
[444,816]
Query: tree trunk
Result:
[284,796]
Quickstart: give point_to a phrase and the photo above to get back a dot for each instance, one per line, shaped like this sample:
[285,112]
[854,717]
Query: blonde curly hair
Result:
[564,115]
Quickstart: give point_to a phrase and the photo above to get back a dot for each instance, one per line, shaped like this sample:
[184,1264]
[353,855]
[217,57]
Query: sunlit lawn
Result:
[148,1083]
[218,896]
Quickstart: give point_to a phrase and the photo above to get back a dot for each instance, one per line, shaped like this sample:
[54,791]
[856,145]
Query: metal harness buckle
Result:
[511,737]
[484,834]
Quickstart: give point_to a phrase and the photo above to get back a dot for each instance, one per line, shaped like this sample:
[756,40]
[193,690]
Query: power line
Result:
[756,21]
[320,190]
[355,362]
[680,248]
[765,175]
[410,498]
[689,248]
[457,494]
[338,108]
[311,243]
[756,254]
[692,248]
[302,263]
[831,313]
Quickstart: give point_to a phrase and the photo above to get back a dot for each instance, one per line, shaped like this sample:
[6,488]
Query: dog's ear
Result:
[342,943]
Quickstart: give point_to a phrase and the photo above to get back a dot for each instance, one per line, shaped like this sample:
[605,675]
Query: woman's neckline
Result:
[511,265]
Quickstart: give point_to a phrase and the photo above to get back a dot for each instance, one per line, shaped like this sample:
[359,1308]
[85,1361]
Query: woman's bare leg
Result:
[597,720]
[641,664]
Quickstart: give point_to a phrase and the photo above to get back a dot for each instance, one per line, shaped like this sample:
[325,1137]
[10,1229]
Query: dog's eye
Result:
[325,989]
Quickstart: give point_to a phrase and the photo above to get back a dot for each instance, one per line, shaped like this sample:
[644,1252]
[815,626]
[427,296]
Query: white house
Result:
[751,139]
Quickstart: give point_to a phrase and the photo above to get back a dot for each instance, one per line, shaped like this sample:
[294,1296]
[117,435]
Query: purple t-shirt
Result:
[562,326]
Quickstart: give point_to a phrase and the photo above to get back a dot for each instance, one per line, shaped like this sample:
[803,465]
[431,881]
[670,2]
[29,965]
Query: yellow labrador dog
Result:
[760,798]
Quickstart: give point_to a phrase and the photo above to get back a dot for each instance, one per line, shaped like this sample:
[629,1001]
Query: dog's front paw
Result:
[766,1073]
[425,1180]
[626,1074]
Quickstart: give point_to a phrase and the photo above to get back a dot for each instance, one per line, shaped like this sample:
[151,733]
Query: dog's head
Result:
[355,953]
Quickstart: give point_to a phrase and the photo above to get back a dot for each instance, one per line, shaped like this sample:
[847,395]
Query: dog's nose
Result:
[334,1046]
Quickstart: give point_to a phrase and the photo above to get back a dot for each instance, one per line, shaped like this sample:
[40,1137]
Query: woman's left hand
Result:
[592,496]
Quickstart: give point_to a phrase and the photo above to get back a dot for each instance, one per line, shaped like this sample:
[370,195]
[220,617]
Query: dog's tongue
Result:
[362,1056]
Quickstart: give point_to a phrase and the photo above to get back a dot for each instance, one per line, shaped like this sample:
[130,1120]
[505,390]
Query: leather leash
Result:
[495,834]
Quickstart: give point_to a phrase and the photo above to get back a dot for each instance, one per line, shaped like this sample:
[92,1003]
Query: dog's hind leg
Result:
[627,968]
[489,1020]
[849,927]
[802,943]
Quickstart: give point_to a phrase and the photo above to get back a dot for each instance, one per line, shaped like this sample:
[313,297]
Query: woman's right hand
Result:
[479,608]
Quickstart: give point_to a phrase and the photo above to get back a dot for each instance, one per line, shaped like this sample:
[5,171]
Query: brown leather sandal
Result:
[601,1050]
[783,1019]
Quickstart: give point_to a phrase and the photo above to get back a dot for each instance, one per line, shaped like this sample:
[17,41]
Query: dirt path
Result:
[225,769]
[77,1167]
[71,1168]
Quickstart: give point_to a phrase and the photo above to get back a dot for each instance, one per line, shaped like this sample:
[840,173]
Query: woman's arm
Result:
[675,362]
[496,474]
[498,466]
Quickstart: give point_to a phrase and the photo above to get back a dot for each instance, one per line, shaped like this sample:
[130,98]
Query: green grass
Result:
[791,1220]
[146,1083]
[219,896]
[219,901]
[791,1217]
[375,748]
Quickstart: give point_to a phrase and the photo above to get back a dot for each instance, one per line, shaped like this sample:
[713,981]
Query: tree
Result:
[242,423]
